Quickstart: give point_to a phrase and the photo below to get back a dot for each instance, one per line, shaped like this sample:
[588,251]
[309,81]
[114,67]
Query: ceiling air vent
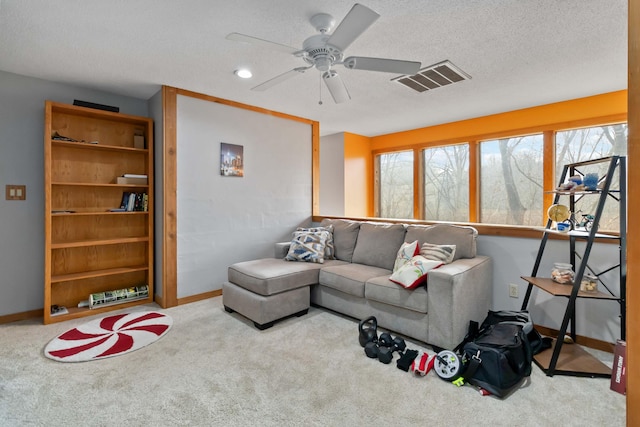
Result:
[434,76]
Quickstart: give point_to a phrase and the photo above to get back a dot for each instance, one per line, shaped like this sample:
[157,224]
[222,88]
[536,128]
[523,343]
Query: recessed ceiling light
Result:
[243,73]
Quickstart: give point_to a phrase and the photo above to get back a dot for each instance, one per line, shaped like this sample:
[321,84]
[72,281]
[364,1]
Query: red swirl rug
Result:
[107,337]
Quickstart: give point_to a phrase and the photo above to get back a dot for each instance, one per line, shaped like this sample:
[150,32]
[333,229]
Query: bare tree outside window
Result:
[577,145]
[446,183]
[395,185]
[511,180]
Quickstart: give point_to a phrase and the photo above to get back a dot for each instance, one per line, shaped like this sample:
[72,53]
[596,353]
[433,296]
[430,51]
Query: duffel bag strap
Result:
[472,333]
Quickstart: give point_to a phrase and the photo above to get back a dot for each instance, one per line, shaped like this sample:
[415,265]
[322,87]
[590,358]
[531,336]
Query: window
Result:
[511,180]
[578,145]
[395,185]
[446,183]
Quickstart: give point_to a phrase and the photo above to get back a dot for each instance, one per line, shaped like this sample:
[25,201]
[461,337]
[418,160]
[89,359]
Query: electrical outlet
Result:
[513,290]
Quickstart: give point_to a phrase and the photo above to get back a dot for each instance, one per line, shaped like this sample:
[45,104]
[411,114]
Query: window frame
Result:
[548,132]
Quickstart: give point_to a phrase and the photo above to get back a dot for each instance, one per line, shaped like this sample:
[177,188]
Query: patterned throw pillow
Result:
[414,272]
[444,253]
[406,252]
[329,248]
[308,246]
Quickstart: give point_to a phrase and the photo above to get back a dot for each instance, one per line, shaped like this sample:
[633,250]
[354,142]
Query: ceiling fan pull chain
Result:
[320,88]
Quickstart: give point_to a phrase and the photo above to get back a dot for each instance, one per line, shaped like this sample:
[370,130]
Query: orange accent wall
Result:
[573,113]
[358,176]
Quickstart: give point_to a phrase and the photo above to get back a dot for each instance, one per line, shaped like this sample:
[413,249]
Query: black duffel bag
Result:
[498,359]
[497,354]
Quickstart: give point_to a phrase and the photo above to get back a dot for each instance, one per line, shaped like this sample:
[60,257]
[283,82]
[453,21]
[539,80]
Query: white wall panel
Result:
[221,219]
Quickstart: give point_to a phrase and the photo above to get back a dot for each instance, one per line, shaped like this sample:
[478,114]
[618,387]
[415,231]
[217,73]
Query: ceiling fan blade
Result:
[336,87]
[380,64]
[279,79]
[262,43]
[355,23]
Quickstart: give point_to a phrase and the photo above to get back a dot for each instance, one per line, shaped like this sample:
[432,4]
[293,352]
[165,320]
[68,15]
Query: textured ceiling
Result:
[518,53]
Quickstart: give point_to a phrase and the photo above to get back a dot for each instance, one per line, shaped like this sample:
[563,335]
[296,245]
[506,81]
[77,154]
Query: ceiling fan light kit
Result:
[325,50]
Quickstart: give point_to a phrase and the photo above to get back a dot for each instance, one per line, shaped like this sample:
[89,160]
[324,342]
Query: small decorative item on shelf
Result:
[558,213]
[591,181]
[577,179]
[562,273]
[563,226]
[589,283]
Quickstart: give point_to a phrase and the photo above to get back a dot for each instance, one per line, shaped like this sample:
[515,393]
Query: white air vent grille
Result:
[434,76]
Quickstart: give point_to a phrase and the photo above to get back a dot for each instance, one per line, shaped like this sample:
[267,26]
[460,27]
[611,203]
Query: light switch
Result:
[16,192]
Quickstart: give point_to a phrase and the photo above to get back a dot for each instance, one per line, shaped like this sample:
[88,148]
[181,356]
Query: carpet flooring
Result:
[216,369]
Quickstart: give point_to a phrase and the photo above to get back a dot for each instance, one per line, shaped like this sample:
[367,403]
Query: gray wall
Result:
[22,163]
[514,257]
[221,219]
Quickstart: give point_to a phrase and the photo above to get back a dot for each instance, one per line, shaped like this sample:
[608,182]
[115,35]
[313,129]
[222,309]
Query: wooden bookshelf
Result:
[89,249]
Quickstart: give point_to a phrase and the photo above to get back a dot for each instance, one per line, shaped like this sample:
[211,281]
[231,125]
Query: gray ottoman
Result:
[266,290]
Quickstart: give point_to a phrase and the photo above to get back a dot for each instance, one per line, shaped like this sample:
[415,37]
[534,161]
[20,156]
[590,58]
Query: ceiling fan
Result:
[325,50]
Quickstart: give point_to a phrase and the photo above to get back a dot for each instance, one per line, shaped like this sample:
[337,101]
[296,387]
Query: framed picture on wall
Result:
[231,160]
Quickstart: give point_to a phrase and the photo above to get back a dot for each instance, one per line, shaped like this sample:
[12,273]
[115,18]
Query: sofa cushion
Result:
[405,253]
[378,244]
[329,248]
[345,234]
[270,276]
[414,272]
[464,237]
[308,246]
[383,290]
[349,278]
[443,253]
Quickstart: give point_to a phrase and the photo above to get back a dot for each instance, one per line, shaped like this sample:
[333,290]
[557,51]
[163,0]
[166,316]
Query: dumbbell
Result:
[385,346]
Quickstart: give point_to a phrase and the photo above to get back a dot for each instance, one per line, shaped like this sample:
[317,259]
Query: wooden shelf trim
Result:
[97,273]
[98,184]
[98,242]
[101,212]
[573,360]
[105,147]
[559,289]
[77,312]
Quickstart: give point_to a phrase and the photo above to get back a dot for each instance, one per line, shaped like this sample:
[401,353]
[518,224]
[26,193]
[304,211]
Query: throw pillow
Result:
[405,253]
[414,272]
[307,246]
[329,249]
[444,253]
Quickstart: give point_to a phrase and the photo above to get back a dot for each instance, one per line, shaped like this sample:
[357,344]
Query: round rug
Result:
[107,337]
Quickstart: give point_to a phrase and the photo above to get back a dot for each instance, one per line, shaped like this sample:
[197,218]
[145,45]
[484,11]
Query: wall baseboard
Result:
[199,297]
[25,315]
[584,341]
[33,314]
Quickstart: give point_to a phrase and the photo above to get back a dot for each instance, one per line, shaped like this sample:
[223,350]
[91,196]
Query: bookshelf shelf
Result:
[88,248]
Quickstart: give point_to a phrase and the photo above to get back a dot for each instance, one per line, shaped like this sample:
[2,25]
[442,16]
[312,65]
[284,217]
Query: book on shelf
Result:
[134,202]
[123,180]
[118,296]
[134,175]
[58,310]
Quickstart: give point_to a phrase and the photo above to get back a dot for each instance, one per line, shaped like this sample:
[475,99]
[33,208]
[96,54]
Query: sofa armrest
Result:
[281,249]
[457,293]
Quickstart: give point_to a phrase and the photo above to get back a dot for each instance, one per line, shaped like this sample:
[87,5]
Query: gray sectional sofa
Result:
[357,282]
